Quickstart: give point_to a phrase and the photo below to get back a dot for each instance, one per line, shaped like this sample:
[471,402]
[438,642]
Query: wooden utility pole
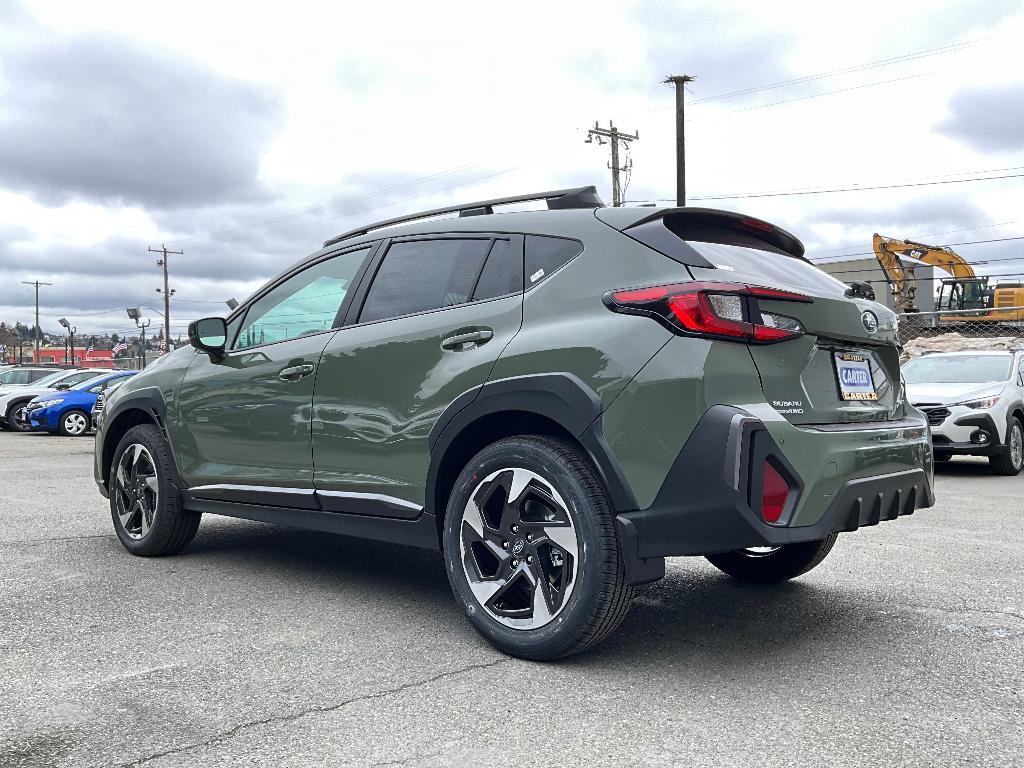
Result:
[613,136]
[680,82]
[166,291]
[36,283]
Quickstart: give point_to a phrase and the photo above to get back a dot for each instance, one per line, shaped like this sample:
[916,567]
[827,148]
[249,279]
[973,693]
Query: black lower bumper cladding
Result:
[706,505]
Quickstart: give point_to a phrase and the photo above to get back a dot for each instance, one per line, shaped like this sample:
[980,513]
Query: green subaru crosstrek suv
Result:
[555,399]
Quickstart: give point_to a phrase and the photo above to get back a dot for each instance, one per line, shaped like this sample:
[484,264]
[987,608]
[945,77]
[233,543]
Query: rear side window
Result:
[502,274]
[422,275]
[544,255]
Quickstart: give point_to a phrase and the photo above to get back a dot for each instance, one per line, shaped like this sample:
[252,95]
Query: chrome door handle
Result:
[296,372]
[462,340]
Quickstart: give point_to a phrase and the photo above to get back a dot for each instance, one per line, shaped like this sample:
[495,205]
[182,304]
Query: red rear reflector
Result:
[775,491]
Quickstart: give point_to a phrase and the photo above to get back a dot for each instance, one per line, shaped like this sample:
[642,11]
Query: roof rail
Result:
[557,199]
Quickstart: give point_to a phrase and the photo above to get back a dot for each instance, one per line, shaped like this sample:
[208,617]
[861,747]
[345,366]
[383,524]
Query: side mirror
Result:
[209,335]
[62,387]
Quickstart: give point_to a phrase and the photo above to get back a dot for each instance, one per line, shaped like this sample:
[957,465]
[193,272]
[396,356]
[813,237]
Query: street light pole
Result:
[71,334]
[134,313]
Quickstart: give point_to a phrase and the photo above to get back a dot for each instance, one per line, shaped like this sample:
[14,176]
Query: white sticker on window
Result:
[726,267]
[536,275]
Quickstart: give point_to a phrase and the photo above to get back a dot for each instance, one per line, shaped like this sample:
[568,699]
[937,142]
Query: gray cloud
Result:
[907,219]
[103,118]
[708,43]
[987,119]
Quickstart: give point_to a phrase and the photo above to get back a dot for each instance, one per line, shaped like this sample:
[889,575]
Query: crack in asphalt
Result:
[316,710]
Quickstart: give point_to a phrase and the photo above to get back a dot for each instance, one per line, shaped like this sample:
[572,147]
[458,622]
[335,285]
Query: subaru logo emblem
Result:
[870,321]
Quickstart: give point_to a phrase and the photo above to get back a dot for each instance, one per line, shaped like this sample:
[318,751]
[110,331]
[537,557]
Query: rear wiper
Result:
[861,290]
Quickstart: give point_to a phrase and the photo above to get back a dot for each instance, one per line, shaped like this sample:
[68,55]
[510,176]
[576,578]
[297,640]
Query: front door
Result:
[435,318]
[244,421]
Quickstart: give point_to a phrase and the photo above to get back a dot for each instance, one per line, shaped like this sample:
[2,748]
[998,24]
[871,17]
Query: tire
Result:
[778,564]
[565,535]
[943,456]
[1011,461]
[146,509]
[74,423]
[11,417]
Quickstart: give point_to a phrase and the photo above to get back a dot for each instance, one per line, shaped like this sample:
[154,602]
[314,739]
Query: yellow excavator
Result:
[965,290]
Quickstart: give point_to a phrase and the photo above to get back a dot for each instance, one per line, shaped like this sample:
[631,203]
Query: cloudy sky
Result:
[245,133]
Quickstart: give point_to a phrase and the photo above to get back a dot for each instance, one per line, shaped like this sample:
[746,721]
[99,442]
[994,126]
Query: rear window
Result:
[958,369]
[774,268]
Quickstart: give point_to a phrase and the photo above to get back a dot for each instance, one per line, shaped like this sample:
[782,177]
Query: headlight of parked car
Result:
[985,402]
[48,403]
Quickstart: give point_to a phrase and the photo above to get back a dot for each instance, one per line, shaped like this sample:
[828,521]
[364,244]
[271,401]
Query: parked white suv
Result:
[975,404]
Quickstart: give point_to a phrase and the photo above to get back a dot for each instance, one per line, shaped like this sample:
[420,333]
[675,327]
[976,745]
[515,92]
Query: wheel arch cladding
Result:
[143,407]
[557,404]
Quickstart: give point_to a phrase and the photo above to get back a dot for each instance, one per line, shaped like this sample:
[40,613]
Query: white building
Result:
[868,270]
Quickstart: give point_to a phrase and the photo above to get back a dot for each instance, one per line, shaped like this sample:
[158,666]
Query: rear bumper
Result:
[710,501]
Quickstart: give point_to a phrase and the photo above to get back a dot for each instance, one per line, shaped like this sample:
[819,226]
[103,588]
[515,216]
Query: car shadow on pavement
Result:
[694,612]
[963,468]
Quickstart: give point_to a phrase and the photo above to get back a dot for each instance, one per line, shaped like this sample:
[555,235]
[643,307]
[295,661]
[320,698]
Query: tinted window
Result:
[421,275]
[546,254]
[304,303]
[774,268]
[36,375]
[503,272]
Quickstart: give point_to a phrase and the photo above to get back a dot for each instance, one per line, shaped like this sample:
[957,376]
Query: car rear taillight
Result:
[728,311]
[774,493]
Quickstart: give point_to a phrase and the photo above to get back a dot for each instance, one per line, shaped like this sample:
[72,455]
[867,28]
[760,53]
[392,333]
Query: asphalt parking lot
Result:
[270,646]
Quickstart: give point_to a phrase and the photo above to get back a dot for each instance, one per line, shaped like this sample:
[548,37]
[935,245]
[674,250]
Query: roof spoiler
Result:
[671,224]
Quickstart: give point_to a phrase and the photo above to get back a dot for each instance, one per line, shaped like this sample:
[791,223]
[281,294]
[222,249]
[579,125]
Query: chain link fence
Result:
[957,331]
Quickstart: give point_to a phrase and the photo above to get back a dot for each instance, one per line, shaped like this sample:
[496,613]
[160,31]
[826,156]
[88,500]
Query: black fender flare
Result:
[149,400]
[561,397]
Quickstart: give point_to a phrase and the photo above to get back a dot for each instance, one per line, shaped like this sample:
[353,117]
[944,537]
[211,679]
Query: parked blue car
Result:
[69,413]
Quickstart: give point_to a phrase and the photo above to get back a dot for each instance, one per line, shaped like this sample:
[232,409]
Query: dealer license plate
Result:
[853,372]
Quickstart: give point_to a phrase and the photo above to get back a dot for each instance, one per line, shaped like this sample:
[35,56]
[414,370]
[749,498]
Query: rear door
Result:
[429,327]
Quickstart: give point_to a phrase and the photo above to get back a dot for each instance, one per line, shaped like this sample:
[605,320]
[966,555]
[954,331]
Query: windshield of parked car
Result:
[51,379]
[87,384]
[958,369]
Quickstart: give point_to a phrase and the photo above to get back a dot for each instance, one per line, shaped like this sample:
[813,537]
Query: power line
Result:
[953,48]
[819,95]
[926,235]
[969,263]
[749,195]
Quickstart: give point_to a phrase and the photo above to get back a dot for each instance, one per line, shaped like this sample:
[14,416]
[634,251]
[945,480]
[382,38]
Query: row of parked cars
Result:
[57,401]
